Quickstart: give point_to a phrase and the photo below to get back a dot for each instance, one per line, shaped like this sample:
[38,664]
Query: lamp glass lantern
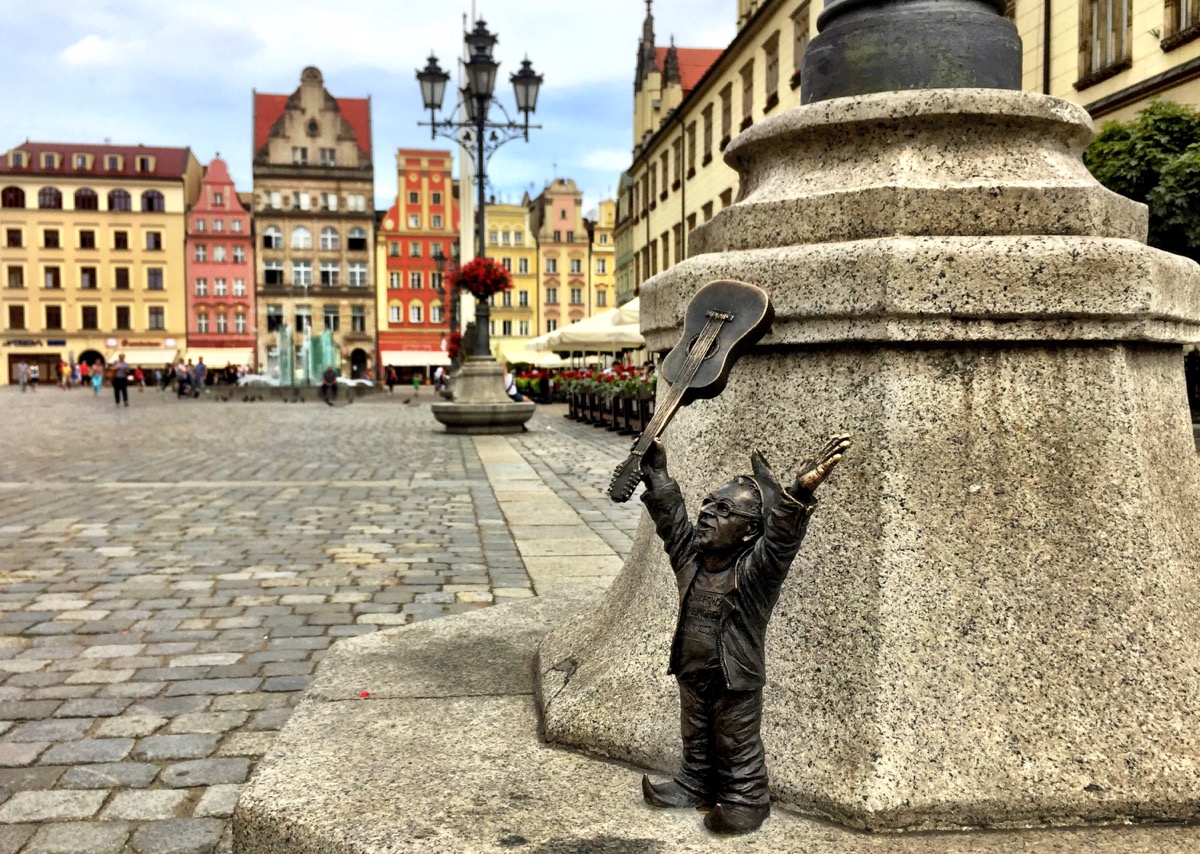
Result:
[433,84]
[481,75]
[526,84]
[480,41]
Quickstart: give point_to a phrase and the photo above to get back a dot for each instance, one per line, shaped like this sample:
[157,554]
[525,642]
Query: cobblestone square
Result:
[172,573]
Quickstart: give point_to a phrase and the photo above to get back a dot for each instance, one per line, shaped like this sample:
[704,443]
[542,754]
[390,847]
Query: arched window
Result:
[86,200]
[49,197]
[152,200]
[301,238]
[272,238]
[119,200]
[329,238]
[414,313]
[12,197]
[357,239]
[436,314]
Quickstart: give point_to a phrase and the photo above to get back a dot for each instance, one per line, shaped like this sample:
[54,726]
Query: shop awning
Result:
[146,357]
[413,358]
[219,357]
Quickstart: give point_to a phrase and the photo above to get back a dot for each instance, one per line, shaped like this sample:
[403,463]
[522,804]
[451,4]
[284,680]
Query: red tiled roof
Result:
[168,162]
[268,108]
[693,62]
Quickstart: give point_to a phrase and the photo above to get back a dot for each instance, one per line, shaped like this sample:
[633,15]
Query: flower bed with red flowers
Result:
[481,278]
[609,384]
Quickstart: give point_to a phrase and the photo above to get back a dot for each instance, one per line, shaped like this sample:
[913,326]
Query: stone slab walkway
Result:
[171,573]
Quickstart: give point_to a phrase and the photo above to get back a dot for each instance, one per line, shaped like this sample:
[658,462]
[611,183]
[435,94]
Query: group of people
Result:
[440,378]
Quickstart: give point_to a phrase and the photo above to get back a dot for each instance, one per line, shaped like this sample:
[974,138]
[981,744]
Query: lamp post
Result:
[478,131]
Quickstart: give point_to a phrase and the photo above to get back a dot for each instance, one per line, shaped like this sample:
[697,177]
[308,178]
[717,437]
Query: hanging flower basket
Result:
[481,278]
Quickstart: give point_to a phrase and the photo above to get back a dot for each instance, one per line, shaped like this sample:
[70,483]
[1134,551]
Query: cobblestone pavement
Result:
[171,573]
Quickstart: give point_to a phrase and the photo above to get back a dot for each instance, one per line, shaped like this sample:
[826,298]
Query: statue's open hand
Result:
[813,471]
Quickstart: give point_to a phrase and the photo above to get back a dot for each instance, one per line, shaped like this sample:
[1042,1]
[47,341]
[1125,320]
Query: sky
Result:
[163,72]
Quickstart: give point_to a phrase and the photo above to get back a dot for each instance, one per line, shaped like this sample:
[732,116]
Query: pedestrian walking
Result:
[35,374]
[97,374]
[199,373]
[64,374]
[139,378]
[120,379]
[439,379]
[183,379]
[416,384]
[391,380]
[23,374]
[329,385]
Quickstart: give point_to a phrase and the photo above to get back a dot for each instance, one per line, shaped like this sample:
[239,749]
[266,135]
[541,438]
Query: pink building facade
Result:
[220,274]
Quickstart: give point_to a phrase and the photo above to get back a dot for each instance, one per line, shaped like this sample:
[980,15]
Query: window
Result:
[557,236]
[506,299]
[239,287]
[552,265]
[303,317]
[435,280]
[302,273]
[601,266]
[299,155]
[222,323]
[49,161]
[523,328]
[329,201]
[220,288]
[691,152]
[87,278]
[414,249]
[393,249]
[239,255]
[519,238]
[726,114]
[273,273]
[522,265]
[523,299]
[356,203]
[414,280]
[331,318]
[219,254]
[328,157]
[576,296]
[236,225]
[120,240]
[506,327]
[50,239]
[357,241]
[200,253]
[358,274]
[435,198]
[12,197]
[747,73]
[218,225]
[330,270]
[393,314]
[154,278]
[330,239]
[571,234]
[49,198]
[81,161]
[202,322]
[707,210]
[603,239]
[436,220]
[771,70]
[707,139]
[16,277]
[86,200]
[1105,37]
[494,237]
[358,319]
[218,199]
[144,164]
[436,314]
[414,220]
[239,323]
[54,317]
[274,318]
[272,238]
[576,266]
[602,298]
[12,238]
[201,287]
[112,162]
[801,22]
[666,171]
[506,263]
[413,197]
[154,240]
[119,200]
[199,225]
[89,317]
[123,316]
[393,280]
[156,318]
[272,200]
[18,159]
[505,237]
[300,201]
[551,324]
[301,238]
[551,296]
[152,201]
[121,278]
[1181,15]
[415,313]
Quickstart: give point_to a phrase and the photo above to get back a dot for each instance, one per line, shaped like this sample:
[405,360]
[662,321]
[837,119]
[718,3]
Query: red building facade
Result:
[219,254]
[414,323]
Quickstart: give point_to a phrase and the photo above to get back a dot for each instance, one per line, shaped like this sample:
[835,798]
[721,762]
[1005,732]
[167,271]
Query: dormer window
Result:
[113,163]
[49,161]
[81,161]
[17,159]
[218,199]
[145,164]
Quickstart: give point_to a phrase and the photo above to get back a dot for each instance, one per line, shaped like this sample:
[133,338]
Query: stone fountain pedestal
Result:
[480,405]
[994,619]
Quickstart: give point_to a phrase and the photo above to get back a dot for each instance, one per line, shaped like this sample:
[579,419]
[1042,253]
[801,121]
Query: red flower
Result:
[481,278]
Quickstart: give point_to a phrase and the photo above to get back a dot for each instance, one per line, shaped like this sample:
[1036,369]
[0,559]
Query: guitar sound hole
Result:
[712,350]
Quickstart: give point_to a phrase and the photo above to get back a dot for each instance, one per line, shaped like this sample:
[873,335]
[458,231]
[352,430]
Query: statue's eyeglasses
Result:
[724,509]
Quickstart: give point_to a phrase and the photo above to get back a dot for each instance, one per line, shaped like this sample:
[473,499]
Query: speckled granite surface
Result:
[994,618]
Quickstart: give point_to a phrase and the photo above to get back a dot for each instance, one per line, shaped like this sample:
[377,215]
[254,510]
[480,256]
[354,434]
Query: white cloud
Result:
[613,159]
[92,50]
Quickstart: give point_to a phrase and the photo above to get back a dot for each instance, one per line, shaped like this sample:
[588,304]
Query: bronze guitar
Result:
[724,318]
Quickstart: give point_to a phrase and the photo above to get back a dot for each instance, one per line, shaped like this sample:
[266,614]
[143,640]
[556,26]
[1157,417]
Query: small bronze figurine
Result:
[729,568]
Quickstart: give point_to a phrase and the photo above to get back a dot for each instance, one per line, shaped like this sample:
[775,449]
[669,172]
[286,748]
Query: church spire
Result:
[647,59]
[671,65]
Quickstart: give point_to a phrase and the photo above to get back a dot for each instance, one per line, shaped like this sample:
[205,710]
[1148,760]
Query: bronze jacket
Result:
[755,582]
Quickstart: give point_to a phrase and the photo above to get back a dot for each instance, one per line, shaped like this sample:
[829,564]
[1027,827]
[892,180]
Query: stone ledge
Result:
[446,760]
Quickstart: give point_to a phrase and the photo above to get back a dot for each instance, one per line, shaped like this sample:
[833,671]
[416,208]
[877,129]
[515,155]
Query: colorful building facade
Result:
[315,221]
[93,253]
[602,263]
[413,304]
[556,217]
[514,313]
[220,274]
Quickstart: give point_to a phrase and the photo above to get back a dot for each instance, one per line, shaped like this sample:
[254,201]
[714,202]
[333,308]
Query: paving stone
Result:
[51,730]
[59,805]
[25,779]
[206,772]
[218,722]
[23,753]
[286,683]
[178,836]
[219,800]
[145,805]
[246,744]
[29,710]
[88,751]
[130,726]
[214,686]
[270,719]
[107,837]
[110,775]
[99,707]
[13,836]
[156,748]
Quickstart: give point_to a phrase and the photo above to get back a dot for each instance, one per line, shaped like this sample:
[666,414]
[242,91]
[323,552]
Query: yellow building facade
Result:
[1110,56]
[602,264]
[93,253]
[515,313]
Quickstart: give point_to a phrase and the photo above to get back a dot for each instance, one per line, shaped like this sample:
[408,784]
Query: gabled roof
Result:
[268,108]
[693,62]
[168,162]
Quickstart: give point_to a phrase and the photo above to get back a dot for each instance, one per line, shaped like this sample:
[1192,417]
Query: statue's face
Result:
[729,518]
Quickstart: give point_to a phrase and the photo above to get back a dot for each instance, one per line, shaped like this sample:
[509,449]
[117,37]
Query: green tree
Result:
[1155,159]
